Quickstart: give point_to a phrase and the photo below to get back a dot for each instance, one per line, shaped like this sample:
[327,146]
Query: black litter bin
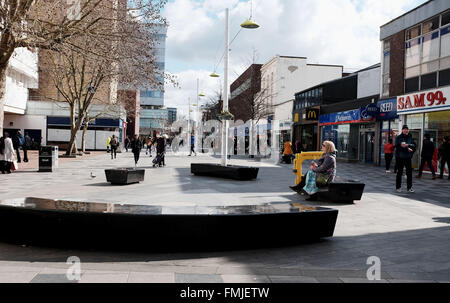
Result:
[48,158]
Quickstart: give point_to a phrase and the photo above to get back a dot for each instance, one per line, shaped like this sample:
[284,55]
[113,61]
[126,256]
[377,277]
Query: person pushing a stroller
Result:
[160,151]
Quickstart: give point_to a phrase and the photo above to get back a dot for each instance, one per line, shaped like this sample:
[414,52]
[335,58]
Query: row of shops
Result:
[360,134]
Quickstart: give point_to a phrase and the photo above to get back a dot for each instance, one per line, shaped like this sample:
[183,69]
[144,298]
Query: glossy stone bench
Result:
[72,224]
[236,172]
[123,176]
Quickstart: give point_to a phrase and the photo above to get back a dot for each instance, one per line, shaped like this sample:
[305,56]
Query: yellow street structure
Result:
[298,161]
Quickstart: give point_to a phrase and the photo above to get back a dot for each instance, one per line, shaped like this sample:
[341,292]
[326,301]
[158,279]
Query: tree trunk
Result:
[75,126]
[2,95]
[83,138]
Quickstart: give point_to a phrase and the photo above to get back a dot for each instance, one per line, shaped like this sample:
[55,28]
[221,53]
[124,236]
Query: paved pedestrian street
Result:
[408,232]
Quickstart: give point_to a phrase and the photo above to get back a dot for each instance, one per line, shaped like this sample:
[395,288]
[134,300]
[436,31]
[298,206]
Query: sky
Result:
[340,32]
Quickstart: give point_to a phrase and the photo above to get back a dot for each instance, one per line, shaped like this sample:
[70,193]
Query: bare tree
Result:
[43,24]
[120,50]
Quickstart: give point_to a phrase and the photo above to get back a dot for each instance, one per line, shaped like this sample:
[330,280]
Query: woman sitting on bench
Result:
[321,173]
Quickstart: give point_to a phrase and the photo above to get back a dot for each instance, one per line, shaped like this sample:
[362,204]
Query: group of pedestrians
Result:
[10,150]
[404,149]
[158,142]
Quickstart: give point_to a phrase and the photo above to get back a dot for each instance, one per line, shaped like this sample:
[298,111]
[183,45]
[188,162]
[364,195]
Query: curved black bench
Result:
[339,191]
[126,175]
[236,172]
[72,224]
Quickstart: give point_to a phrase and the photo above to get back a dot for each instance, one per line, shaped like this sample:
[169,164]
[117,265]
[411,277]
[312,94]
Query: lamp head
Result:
[250,24]
[214,75]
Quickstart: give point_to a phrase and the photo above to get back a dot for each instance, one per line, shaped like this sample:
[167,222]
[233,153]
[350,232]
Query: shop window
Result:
[430,46]
[413,32]
[430,25]
[412,85]
[445,18]
[428,81]
[412,55]
[444,77]
[445,41]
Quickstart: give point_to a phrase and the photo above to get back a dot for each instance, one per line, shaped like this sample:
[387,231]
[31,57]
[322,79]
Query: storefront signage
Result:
[387,109]
[312,114]
[368,113]
[431,100]
[351,116]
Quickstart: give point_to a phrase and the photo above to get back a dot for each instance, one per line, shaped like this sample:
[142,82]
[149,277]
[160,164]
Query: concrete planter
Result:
[123,176]
[71,224]
[236,172]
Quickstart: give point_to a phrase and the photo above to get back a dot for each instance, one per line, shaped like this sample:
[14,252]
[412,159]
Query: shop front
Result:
[353,133]
[426,112]
[389,124]
[306,130]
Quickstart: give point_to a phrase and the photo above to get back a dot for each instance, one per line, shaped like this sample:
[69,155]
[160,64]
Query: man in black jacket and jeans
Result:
[404,150]
[427,156]
[444,153]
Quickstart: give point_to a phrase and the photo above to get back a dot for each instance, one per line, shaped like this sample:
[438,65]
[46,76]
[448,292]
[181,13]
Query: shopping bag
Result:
[14,165]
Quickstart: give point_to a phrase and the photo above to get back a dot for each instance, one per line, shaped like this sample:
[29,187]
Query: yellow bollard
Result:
[298,161]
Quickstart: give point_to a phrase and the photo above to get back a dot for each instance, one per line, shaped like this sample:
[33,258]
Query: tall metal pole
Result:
[189,126]
[225,92]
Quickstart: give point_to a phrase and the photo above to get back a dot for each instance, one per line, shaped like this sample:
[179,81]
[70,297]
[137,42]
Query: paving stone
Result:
[359,280]
[22,277]
[141,277]
[52,278]
[104,278]
[245,279]
[197,278]
[292,279]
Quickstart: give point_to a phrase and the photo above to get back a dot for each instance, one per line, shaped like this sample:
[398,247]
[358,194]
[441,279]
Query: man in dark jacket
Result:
[136,146]
[427,156]
[17,144]
[404,150]
[444,154]
[26,146]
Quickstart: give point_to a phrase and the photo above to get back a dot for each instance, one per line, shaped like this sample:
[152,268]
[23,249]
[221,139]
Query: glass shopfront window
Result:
[437,124]
[345,138]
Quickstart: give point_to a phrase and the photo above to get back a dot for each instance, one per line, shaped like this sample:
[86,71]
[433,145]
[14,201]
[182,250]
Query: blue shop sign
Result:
[387,109]
[350,116]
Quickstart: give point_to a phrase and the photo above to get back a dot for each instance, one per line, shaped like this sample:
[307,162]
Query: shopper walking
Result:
[108,141]
[444,155]
[287,152]
[26,146]
[136,146]
[127,143]
[6,154]
[192,146]
[388,154]
[405,148]
[427,156]
[17,144]
[114,143]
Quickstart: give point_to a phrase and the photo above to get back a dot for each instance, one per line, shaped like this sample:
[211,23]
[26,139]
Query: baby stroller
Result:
[159,160]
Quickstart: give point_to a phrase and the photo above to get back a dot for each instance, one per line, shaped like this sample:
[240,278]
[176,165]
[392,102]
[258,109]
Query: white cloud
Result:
[344,32]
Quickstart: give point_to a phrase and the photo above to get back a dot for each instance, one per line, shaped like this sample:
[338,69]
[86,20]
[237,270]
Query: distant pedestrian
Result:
[18,141]
[427,156]
[127,143]
[6,154]
[444,155]
[136,146]
[287,152]
[405,148]
[114,143]
[192,146]
[28,142]
[160,151]
[108,140]
[388,154]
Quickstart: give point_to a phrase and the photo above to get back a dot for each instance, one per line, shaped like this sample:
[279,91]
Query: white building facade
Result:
[282,77]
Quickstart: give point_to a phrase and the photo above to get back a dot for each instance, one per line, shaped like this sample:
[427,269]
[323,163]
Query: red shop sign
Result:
[432,100]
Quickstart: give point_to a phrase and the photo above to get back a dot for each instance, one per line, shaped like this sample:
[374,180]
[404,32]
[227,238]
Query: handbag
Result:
[14,165]
[322,179]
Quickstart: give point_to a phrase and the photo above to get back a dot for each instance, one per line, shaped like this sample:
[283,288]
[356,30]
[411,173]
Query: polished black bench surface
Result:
[161,227]
[125,175]
[236,172]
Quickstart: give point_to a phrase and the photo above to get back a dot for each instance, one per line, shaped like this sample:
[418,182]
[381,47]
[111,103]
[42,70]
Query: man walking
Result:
[136,146]
[192,146]
[444,152]
[18,143]
[108,141]
[26,146]
[427,156]
[405,148]
[114,144]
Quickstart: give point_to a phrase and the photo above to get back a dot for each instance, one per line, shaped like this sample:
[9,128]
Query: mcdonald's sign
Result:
[312,114]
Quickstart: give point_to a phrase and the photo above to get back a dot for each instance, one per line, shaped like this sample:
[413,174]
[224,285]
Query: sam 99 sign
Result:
[431,100]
